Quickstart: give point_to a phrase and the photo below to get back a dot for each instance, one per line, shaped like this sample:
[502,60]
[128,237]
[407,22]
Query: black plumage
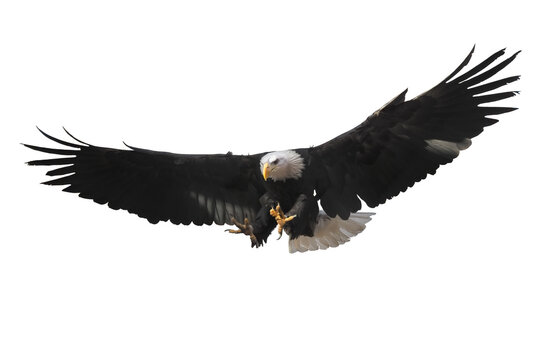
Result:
[159,186]
[391,150]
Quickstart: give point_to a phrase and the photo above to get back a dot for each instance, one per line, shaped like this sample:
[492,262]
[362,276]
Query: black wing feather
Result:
[158,186]
[402,142]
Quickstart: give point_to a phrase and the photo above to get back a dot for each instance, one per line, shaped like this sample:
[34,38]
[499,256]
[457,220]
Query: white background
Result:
[459,267]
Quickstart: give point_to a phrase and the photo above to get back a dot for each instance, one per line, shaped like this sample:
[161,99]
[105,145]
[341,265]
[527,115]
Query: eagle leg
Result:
[280,218]
[246,229]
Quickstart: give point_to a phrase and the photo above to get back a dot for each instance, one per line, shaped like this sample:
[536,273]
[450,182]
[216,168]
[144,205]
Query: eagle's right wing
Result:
[159,186]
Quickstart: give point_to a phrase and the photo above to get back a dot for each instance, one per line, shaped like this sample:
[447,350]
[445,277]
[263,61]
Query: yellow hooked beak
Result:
[266,172]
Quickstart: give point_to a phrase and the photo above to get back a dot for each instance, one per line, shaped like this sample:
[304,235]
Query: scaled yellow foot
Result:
[280,218]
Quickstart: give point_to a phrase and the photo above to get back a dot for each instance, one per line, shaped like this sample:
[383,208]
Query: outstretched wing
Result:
[402,142]
[159,186]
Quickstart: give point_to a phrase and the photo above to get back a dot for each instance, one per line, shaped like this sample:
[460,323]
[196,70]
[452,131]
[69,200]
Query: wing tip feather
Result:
[461,66]
[74,138]
[130,147]
[59,141]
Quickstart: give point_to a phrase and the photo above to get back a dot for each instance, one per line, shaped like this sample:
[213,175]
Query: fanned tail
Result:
[331,232]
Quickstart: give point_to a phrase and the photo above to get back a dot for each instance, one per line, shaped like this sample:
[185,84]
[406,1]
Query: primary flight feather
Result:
[392,149]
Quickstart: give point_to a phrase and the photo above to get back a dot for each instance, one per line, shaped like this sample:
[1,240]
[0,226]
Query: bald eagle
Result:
[313,194]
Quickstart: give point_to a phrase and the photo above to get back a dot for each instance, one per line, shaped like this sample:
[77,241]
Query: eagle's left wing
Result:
[404,141]
[159,186]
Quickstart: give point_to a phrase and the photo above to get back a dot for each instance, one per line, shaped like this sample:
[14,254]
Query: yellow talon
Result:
[280,218]
[245,228]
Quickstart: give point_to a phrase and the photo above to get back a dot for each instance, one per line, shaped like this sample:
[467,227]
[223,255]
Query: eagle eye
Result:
[275,161]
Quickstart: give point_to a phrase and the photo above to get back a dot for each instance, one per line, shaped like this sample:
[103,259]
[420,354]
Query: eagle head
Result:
[282,165]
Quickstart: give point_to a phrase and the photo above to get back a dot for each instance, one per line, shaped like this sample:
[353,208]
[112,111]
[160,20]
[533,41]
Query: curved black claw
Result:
[246,229]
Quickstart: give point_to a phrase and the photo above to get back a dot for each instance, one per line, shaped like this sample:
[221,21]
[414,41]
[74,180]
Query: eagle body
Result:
[303,205]
[313,194]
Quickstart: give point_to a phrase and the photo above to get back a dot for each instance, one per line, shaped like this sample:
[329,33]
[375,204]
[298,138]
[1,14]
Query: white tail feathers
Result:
[331,232]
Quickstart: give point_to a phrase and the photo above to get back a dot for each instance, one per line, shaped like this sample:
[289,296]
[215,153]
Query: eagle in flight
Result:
[313,194]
